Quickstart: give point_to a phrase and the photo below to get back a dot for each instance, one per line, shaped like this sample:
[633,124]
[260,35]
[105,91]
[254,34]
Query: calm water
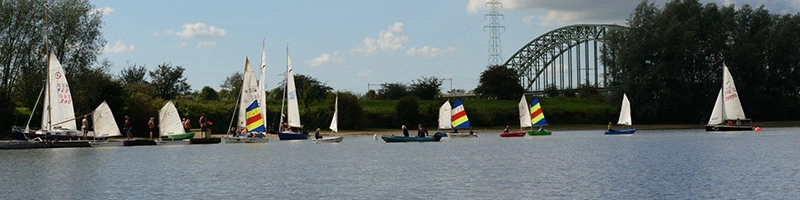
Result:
[652,164]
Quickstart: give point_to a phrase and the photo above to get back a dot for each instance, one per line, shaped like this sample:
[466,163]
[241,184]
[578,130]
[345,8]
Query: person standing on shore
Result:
[152,125]
[203,125]
[128,127]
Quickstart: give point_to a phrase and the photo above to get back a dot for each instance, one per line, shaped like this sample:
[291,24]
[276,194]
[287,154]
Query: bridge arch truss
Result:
[555,58]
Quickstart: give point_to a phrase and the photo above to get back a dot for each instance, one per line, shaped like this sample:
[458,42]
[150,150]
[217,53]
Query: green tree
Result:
[74,37]
[133,74]
[426,88]
[371,94]
[407,109]
[351,115]
[499,82]
[310,89]
[391,91]
[208,94]
[168,81]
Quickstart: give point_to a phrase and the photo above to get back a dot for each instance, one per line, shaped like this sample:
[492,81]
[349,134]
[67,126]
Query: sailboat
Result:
[445,115]
[58,117]
[537,118]
[624,118]
[334,126]
[249,108]
[293,111]
[104,126]
[459,120]
[170,124]
[727,114]
[524,119]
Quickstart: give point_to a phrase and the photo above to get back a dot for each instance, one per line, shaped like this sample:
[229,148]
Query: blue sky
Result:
[346,44]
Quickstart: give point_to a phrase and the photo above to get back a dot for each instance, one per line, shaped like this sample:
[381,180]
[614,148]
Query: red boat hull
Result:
[513,134]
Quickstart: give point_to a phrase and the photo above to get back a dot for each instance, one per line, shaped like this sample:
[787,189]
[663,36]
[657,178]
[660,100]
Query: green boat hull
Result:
[391,138]
[181,136]
[539,132]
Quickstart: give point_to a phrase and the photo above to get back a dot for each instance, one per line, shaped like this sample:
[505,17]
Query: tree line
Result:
[669,61]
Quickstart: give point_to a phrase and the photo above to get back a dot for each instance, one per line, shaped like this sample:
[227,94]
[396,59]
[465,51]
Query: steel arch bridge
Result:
[541,62]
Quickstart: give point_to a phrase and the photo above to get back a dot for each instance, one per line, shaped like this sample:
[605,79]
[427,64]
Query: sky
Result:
[350,45]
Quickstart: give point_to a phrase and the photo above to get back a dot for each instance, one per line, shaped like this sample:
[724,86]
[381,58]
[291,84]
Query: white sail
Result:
[169,121]
[625,111]
[104,123]
[262,95]
[335,121]
[293,115]
[733,108]
[58,98]
[716,114]
[524,113]
[249,93]
[444,116]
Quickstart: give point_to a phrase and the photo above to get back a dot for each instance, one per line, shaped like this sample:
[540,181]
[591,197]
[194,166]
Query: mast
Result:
[262,83]
[47,63]
[285,85]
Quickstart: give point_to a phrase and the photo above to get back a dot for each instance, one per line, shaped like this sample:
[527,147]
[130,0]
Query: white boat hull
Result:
[336,139]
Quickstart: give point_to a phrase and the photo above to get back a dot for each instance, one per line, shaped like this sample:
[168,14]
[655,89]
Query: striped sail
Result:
[537,116]
[459,116]
[254,121]
[249,93]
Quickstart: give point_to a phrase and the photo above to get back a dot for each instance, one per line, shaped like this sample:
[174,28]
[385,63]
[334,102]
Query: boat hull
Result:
[139,142]
[181,136]
[205,140]
[621,132]
[539,132]
[291,136]
[19,135]
[232,140]
[393,139]
[463,135]
[336,139]
[728,128]
[513,134]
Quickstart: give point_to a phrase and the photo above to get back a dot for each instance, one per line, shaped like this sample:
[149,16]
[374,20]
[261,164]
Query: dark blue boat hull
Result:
[292,136]
[621,132]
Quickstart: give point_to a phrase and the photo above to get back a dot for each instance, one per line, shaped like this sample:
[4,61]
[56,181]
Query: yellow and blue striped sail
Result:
[537,116]
[254,121]
[459,116]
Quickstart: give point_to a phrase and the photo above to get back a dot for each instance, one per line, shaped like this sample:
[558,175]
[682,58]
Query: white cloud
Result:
[325,59]
[195,30]
[182,44]
[390,39]
[427,51]
[118,47]
[365,73]
[105,11]
[205,44]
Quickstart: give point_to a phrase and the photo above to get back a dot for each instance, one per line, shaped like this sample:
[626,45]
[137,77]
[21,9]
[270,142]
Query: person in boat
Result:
[455,130]
[470,131]
[317,135]
[421,132]
[186,125]
[128,127]
[152,125]
[405,130]
[505,130]
[730,122]
[609,127]
[284,127]
[85,126]
[203,125]
[232,131]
